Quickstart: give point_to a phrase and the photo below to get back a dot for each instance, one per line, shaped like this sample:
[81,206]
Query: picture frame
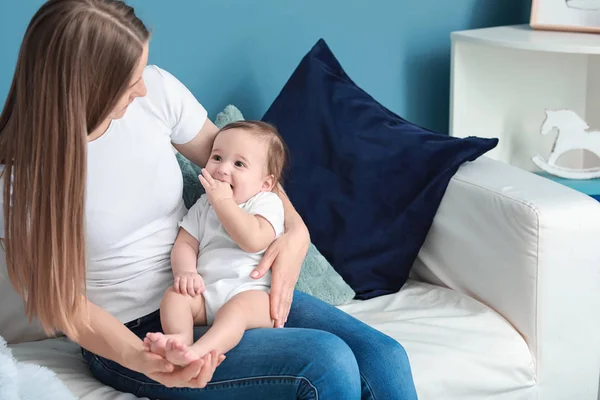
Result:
[566,15]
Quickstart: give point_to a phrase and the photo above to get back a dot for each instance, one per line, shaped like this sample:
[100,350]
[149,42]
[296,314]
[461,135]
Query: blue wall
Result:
[242,51]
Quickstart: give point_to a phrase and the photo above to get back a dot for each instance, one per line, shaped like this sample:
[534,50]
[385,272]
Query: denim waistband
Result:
[142,320]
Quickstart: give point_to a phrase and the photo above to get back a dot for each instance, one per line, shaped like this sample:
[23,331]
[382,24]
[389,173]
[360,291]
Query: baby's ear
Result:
[268,183]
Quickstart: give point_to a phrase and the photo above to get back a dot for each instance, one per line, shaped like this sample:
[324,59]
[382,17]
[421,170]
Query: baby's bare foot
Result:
[178,352]
[156,342]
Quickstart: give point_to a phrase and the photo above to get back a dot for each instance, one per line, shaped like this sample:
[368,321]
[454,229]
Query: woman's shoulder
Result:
[153,74]
[171,101]
[159,80]
[158,99]
[154,78]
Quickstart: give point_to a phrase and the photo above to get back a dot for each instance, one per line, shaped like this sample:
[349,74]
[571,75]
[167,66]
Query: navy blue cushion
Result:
[366,182]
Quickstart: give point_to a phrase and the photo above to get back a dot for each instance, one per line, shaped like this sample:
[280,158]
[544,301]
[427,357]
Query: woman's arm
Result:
[284,257]
[198,149]
[107,337]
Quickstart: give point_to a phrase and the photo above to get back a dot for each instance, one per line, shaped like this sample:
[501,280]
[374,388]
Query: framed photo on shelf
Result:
[566,15]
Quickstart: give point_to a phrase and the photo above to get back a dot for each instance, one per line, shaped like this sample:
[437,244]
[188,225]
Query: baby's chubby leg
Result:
[246,310]
[179,313]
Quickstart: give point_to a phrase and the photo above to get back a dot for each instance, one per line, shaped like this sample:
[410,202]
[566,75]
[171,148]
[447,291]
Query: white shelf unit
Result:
[503,79]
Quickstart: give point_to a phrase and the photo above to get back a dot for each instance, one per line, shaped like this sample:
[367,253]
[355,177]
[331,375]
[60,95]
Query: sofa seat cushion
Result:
[458,348]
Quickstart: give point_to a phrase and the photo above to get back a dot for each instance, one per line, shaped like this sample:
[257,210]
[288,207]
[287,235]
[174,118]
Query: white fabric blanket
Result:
[26,381]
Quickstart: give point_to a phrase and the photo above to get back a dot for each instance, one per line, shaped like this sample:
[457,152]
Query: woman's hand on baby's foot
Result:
[149,363]
[190,283]
[195,375]
[210,361]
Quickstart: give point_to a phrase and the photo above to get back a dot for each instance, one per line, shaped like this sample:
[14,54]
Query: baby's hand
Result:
[215,190]
[190,283]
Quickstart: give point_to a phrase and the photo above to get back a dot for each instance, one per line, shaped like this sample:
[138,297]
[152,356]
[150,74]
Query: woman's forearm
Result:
[107,337]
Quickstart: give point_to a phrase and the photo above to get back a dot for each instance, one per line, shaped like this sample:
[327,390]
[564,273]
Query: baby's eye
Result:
[216,157]
[239,164]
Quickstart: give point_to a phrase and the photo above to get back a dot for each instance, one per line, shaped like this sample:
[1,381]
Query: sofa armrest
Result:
[529,248]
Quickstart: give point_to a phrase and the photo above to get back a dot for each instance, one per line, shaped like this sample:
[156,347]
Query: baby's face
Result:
[240,159]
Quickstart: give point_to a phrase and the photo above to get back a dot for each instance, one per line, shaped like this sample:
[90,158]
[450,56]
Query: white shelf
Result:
[504,78]
[524,38]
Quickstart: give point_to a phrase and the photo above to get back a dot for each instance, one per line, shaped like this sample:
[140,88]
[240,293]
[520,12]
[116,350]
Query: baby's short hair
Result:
[277,158]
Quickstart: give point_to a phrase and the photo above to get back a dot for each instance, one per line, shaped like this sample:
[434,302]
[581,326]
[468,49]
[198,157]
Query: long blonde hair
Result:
[76,60]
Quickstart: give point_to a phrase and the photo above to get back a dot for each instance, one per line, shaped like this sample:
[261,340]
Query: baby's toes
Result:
[153,336]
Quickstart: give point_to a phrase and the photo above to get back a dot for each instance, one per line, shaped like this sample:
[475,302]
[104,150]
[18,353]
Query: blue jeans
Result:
[323,353]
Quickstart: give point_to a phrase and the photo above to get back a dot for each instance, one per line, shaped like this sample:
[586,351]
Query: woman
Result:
[91,213]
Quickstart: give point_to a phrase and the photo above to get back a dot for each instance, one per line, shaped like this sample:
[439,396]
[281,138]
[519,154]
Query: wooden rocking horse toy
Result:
[573,134]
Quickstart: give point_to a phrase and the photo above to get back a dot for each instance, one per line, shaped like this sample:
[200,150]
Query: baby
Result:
[220,242]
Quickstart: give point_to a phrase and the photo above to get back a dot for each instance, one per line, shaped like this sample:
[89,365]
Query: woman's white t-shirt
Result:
[134,197]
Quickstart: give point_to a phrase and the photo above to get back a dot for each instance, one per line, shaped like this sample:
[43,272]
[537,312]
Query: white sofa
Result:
[503,302]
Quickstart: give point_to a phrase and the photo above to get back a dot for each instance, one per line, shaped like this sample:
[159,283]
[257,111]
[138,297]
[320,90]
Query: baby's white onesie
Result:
[223,265]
